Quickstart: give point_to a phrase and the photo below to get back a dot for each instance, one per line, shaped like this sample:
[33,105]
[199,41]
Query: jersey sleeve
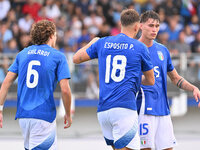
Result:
[92,51]
[170,66]
[15,66]
[146,60]
[63,69]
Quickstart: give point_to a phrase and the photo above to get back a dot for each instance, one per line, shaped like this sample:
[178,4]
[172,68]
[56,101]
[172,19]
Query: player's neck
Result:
[50,43]
[146,41]
[128,33]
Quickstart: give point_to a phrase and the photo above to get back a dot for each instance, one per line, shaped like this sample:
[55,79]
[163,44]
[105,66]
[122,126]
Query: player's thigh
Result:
[147,131]
[25,125]
[125,128]
[42,135]
[165,138]
[106,127]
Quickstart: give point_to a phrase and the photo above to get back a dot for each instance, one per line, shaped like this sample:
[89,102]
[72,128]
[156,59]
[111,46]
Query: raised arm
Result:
[66,97]
[180,82]
[148,77]
[10,78]
[81,55]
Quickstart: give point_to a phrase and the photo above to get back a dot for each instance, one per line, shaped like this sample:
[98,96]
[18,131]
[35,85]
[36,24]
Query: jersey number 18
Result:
[115,66]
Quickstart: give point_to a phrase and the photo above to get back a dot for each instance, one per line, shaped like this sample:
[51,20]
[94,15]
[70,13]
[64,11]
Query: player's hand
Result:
[67,121]
[196,94]
[1,119]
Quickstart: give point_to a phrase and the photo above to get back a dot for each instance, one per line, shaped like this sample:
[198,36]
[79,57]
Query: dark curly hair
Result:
[41,31]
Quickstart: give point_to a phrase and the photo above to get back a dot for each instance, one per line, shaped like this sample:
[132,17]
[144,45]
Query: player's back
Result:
[120,62]
[38,68]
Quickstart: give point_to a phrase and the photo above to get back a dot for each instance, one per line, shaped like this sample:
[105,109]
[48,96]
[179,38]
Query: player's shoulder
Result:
[139,45]
[160,45]
[57,53]
[24,50]
[105,38]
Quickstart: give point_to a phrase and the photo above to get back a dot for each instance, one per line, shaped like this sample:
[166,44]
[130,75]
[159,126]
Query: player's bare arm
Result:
[10,78]
[148,77]
[180,82]
[66,97]
[81,55]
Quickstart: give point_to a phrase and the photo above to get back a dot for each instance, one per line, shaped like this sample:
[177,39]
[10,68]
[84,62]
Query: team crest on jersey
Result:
[160,55]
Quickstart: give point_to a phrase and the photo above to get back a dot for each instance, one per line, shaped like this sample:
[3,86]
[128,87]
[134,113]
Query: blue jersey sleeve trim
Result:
[147,69]
[92,50]
[13,71]
[87,51]
[170,70]
[63,78]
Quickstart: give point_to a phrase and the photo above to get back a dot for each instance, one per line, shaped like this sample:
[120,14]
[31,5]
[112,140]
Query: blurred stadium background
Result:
[78,21]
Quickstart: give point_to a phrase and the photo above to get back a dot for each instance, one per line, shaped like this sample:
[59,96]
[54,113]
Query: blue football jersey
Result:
[121,60]
[39,68]
[153,99]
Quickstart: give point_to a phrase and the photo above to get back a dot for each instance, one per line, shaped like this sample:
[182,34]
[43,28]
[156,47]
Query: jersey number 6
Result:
[33,72]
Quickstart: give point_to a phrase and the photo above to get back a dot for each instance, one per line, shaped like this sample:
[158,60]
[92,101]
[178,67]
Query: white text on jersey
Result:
[111,45]
[38,52]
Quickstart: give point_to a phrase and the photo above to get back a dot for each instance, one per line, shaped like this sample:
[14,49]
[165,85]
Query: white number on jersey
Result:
[115,66]
[157,73]
[31,71]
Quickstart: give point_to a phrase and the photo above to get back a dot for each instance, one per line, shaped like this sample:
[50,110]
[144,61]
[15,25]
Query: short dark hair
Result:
[41,31]
[128,17]
[149,14]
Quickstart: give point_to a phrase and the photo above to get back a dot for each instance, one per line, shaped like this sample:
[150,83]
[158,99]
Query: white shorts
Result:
[38,134]
[120,127]
[156,132]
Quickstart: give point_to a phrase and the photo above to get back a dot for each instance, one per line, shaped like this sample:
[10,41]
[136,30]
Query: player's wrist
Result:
[68,115]
[1,107]
[194,88]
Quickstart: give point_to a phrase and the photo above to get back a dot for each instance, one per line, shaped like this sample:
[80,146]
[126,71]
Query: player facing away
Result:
[39,67]
[156,130]
[121,59]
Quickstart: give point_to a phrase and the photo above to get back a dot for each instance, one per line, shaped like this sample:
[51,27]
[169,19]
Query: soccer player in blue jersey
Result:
[39,67]
[156,130]
[121,59]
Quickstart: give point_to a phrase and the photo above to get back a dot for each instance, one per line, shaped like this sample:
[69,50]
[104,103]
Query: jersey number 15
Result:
[115,66]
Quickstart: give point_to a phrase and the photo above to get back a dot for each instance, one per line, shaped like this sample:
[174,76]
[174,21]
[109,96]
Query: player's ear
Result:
[136,27]
[51,36]
[141,26]
[120,24]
